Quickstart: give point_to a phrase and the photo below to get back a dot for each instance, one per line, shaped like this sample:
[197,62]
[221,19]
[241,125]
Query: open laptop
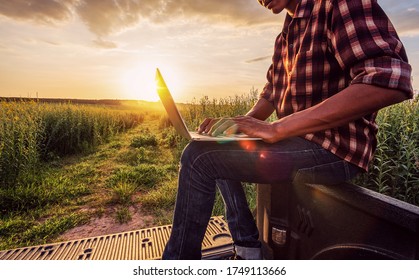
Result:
[178,122]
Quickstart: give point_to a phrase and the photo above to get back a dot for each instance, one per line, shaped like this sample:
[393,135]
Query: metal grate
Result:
[144,244]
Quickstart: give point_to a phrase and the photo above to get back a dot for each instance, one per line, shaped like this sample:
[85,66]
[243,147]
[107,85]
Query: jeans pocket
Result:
[327,174]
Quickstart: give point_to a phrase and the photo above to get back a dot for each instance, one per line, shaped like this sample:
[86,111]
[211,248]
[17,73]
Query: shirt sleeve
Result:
[267,92]
[367,45]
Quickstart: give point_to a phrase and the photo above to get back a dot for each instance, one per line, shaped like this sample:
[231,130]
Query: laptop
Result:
[178,122]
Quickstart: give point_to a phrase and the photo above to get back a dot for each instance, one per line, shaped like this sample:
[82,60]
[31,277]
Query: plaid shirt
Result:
[327,46]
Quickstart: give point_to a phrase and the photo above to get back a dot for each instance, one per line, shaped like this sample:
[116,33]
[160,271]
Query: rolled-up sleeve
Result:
[366,43]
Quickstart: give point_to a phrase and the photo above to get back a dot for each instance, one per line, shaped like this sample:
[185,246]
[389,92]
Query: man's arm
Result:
[262,110]
[352,103]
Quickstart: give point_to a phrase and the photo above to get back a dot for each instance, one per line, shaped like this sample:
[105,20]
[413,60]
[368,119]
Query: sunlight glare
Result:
[139,82]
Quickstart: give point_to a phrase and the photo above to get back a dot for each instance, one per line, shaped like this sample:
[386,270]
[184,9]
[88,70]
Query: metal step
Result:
[143,244]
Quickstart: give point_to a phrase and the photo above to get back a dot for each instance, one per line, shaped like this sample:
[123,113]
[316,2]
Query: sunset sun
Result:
[139,82]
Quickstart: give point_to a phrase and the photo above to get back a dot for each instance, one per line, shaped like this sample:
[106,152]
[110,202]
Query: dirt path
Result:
[107,224]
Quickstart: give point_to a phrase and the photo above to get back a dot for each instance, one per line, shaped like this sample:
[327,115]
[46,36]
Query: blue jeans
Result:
[204,165]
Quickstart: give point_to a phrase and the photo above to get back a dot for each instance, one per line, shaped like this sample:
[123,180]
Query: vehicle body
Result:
[295,221]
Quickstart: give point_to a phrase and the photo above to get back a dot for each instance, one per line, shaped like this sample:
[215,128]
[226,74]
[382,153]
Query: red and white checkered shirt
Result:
[327,46]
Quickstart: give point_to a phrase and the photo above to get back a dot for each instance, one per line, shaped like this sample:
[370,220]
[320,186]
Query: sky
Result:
[109,49]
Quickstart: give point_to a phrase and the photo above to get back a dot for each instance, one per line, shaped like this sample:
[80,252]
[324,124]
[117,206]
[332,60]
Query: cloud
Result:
[257,59]
[106,17]
[103,44]
[407,22]
[40,11]
[50,42]
[404,15]
[232,11]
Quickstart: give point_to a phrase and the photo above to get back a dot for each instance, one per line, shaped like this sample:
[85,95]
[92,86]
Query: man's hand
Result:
[241,124]
[206,125]
[252,124]
[247,125]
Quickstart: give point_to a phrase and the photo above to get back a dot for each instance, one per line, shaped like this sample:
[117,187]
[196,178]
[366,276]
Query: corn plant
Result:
[395,168]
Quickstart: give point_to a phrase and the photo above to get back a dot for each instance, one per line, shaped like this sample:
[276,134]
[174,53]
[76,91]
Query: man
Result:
[335,64]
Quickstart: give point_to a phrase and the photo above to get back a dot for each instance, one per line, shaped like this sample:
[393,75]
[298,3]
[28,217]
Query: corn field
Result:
[31,132]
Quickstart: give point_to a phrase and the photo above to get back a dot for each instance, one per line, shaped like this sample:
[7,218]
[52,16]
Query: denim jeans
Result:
[204,165]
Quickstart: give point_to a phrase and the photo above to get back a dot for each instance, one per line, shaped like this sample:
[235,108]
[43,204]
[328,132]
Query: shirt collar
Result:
[303,10]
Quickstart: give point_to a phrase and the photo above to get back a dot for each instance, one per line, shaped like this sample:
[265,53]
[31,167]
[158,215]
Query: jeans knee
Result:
[192,151]
[188,154]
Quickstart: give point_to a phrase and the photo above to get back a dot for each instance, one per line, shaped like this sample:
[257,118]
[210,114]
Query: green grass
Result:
[162,197]
[52,190]
[145,140]
[123,215]
[250,191]
[28,230]
[123,192]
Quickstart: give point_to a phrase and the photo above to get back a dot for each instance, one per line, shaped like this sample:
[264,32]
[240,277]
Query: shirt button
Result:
[291,45]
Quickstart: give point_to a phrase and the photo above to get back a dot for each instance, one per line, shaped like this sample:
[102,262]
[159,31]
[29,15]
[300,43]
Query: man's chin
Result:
[276,11]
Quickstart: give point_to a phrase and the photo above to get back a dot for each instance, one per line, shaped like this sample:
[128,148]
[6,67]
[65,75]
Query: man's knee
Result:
[191,152]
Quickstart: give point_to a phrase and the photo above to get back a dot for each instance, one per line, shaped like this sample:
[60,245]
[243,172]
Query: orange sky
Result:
[110,49]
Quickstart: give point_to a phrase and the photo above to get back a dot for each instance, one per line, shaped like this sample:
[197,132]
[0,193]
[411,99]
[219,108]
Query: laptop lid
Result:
[170,106]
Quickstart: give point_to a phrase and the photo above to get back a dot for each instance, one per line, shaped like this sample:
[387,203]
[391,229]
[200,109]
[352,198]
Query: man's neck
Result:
[292,6]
